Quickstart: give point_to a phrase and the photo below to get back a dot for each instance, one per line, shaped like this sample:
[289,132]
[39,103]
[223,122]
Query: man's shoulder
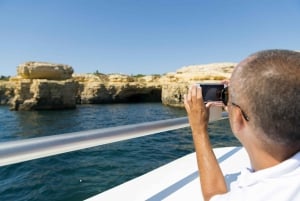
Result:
[273,181]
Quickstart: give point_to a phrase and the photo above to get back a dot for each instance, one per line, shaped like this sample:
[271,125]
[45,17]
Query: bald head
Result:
[267,86]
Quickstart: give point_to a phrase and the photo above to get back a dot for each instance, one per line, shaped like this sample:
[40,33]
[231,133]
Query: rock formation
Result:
[41,94]
[41,86]
[6,92]
[52,86]
[117,88]
[168,89]
[44,70]
[175,85]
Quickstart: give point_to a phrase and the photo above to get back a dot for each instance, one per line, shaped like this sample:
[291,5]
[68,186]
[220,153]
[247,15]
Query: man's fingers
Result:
[193,99]
[186,102]
[199,92]
[193,90]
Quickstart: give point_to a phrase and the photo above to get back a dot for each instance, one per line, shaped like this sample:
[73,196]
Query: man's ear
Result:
[237,119]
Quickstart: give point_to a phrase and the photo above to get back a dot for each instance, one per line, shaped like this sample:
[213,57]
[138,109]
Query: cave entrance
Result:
[152,96]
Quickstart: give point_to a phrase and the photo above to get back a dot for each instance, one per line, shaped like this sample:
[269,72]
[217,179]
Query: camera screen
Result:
[212,92]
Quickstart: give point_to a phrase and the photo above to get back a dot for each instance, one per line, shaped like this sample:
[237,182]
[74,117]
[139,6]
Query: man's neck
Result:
[266,157]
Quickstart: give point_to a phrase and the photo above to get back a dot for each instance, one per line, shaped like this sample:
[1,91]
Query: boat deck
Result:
[177,180]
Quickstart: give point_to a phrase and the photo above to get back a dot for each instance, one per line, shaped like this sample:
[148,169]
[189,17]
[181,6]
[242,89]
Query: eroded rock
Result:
[46,86]
[40,94]
[176,84]
[116,88]
[44,70]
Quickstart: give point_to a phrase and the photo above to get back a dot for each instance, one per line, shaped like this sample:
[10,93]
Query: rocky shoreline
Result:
[44,86]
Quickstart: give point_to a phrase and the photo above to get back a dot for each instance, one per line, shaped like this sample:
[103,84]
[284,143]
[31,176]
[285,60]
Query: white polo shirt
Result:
[279,183]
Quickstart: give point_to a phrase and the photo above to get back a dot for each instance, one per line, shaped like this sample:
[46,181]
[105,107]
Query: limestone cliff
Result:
[6,92]
[175,84]
[44,70]
[49,86]
[41,85]
[117,88]
[168,89]
[41,94]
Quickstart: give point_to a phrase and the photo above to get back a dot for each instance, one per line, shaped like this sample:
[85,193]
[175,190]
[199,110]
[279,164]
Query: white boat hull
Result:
[177,180]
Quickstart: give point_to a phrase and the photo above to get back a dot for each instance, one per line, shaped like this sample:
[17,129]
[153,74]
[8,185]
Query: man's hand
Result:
[197,112]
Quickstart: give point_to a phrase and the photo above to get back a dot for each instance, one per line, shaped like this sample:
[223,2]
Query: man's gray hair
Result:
[267,85]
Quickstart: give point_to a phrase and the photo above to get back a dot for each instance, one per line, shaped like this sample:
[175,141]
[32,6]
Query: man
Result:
[264,113]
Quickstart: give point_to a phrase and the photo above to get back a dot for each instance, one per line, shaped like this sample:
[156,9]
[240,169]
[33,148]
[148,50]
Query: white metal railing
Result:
[39,147]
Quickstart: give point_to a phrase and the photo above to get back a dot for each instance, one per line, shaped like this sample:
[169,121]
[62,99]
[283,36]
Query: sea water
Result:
[81,174]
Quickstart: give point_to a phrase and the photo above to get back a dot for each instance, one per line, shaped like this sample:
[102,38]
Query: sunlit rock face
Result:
[176,84]
[6,92]
[117,88]
[43,86]
[41,94]
[168,89]
[44,70]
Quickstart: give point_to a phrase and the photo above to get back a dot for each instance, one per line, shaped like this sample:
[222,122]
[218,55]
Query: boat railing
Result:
[28,149]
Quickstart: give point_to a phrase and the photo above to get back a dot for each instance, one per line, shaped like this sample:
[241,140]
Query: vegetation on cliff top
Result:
[4,78]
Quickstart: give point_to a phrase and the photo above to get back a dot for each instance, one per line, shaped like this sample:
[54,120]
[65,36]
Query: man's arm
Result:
[211,177]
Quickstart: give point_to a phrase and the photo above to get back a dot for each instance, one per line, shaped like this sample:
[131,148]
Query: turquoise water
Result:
[81,174]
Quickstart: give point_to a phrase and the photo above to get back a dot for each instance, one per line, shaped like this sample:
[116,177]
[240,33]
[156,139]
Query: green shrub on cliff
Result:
[4,78]
[142,75]
[138,75]
[97,73]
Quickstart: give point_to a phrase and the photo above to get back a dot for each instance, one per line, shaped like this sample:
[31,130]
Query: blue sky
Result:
[142,36]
